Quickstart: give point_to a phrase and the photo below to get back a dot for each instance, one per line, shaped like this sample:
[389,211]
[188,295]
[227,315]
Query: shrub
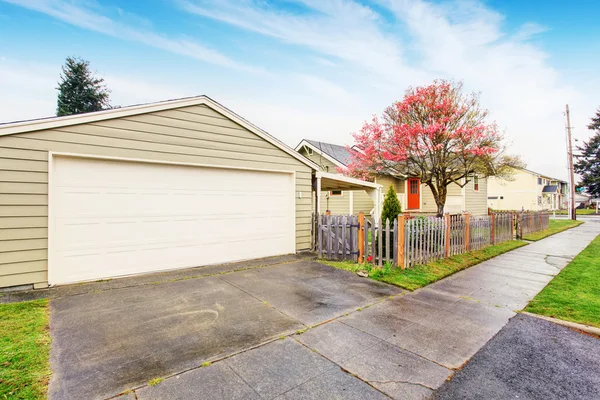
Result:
[391,210]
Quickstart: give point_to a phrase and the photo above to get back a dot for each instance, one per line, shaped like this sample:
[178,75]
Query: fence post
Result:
[493,229]
[467,232]
[447,217]
[512,226]
[401,241]
[361,237]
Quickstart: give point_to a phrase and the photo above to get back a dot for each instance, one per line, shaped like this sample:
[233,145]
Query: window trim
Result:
[475,183]
[336,195]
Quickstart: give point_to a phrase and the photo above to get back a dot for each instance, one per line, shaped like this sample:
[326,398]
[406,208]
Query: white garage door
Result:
[112,218]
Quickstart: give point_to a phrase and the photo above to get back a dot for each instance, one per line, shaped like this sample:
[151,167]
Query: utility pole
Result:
[572,212]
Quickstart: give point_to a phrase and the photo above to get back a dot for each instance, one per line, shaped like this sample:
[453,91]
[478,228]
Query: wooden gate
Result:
[337,237]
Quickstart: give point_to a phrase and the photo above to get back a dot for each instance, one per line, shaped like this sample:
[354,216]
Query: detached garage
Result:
[147,188]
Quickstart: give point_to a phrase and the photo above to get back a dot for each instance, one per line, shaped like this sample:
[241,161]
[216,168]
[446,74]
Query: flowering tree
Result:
[436,133]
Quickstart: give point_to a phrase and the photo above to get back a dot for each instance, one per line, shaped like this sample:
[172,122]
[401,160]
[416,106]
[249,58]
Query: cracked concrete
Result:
[358,339]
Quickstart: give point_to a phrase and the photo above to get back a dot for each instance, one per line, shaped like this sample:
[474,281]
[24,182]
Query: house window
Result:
[476,183]
[333,193]
[414,186]
[539,181]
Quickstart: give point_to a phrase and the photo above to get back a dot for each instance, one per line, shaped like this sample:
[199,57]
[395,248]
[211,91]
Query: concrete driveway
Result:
[115,339]
[366,340]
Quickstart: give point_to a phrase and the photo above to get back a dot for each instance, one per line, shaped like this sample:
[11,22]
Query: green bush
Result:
[391,206]
[391,210]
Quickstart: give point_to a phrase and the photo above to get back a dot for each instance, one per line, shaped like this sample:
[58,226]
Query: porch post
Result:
[375,195]
[318,196]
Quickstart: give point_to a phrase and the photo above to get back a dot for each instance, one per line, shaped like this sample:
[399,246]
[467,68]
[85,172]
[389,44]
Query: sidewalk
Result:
[405,347]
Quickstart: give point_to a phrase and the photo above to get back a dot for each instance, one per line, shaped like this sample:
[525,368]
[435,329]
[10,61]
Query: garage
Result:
[153,187]
[114,218]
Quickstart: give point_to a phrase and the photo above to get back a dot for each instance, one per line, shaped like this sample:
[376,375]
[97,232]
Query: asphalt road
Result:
[530,359]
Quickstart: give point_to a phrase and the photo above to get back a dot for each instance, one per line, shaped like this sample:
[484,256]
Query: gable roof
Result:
[333,152]
[57,122]
[541,175]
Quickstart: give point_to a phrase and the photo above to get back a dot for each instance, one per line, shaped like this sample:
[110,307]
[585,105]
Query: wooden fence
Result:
[424,240]
[481,232]
[530,222]
[410,241]
[337,237]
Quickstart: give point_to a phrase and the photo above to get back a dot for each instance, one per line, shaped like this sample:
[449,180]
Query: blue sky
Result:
[316,69]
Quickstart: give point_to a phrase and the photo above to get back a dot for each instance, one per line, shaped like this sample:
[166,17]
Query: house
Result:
[528,190]
[414,197]
[582,200]
[147,188]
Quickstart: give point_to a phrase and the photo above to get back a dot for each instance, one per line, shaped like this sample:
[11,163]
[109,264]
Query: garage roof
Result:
[56,122]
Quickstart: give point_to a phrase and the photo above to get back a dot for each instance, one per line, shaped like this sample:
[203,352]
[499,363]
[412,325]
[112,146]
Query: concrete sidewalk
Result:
[404,347]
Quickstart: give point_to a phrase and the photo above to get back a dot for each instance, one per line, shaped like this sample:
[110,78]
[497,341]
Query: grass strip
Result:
[24,350]
[556,226]
[574,294]
[583,211]
[422,275]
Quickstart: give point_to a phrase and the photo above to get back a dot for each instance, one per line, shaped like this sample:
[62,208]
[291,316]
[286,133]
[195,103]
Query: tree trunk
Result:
[439,195]
[440,201]
[440,209]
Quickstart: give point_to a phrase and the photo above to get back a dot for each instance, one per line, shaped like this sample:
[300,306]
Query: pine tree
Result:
[79,91]
[588,164]
[391,209]
[595,124]
[391,206]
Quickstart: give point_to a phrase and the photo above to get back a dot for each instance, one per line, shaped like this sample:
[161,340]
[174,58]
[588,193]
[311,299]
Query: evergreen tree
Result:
[595,124]
[391,209]
[391,206]
[79,91]
[588,163]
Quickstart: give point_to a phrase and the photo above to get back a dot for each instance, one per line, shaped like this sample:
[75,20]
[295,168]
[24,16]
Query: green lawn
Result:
[556,226]
[24,350]
[574,294]
[423,275]
[583,211]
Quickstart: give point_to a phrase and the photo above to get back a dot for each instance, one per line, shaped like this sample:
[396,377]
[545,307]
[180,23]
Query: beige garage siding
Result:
[194,134]
[476,202]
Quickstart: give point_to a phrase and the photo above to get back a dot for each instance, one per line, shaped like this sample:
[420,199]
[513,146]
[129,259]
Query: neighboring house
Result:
[582,200]
[330,157]
[527,190]
[414,196]
[147,188]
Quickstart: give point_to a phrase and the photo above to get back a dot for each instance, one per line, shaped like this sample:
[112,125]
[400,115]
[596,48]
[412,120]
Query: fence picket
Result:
[380,243]
[366,239]
[373,241]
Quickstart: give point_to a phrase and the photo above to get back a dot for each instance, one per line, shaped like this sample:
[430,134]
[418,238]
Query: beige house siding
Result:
[195,134]
[428,202]
[476,202]
[471,201]
[362,202]
[520,193]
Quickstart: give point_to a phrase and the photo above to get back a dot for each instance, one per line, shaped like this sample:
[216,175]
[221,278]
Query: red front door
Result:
[414,194]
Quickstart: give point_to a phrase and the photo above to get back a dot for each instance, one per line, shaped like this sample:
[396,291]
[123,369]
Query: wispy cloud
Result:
[346,30]
[348,60]
[397,43]
[77,14]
